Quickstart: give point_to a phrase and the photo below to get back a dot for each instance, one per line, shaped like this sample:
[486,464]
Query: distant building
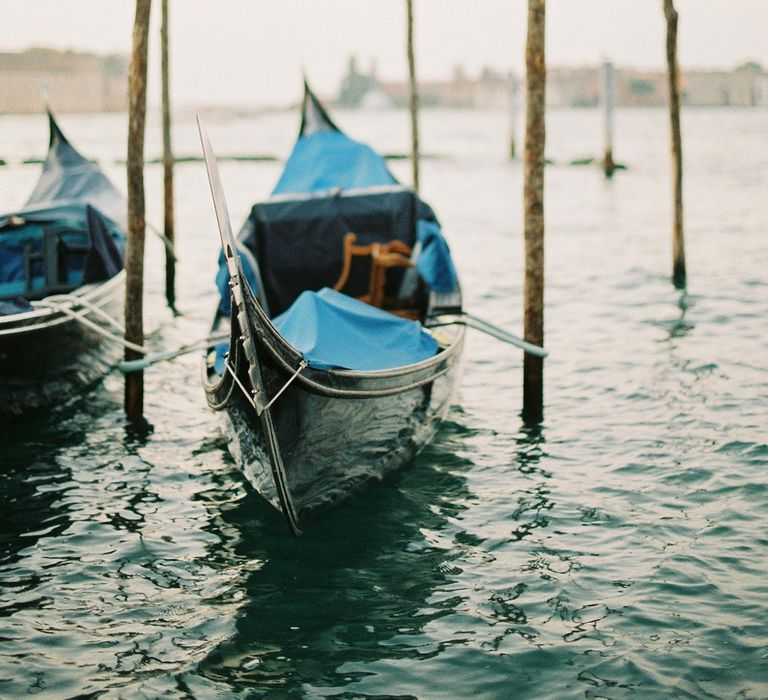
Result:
[745,86]
[355,86]
[490,89]
[67,81]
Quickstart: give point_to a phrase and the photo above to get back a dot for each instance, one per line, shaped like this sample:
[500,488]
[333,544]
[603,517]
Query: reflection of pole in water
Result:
[512,117]
[535,135]
[134,250]
[607,98]
[678,241]
[413,99]
[168,223]
[45,92]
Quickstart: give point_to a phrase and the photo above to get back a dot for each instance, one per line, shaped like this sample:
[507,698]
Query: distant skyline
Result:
[251,52]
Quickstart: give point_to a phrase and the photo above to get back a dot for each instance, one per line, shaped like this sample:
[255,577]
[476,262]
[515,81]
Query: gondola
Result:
[61,273]
[332,375]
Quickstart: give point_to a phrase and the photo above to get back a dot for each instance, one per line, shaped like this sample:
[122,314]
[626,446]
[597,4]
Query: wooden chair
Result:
[383,258]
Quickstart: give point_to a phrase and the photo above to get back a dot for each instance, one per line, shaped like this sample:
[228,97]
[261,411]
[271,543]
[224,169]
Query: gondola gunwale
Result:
[96,293]
[334,383]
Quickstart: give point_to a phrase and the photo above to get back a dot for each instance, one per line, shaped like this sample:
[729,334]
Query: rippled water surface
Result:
[619,550]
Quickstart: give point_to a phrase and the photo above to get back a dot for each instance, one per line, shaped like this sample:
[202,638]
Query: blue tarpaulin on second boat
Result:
[329,159]
[327,188]
[332,330]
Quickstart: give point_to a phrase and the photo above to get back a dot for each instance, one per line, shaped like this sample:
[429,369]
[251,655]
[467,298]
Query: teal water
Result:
[617,551]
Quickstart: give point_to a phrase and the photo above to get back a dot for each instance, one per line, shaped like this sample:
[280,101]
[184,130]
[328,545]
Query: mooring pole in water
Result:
[608,91]
[673,72]
[134,251]
[535,135]
[413,99]
[168,223]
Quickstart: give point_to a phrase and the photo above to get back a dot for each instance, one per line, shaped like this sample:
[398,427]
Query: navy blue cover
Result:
[299,242]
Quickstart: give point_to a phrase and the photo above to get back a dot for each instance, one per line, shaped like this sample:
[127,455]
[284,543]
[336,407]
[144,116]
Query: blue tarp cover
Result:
[332,330]
[329,159]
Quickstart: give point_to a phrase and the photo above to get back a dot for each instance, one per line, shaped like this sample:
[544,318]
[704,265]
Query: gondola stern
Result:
[56,135]
[314,117]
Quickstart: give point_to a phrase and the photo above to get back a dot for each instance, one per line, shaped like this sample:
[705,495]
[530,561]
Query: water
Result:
[618,551]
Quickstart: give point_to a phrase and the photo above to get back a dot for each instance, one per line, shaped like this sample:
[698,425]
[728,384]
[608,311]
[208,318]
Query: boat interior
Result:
[357,244]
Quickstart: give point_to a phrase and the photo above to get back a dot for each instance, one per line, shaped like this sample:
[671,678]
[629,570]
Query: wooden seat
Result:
[383,257]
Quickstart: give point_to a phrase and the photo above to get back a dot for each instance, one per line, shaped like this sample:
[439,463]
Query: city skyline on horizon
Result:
[30,79]
[256,52]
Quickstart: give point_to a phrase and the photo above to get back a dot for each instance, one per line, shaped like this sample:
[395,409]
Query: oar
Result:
[480,324]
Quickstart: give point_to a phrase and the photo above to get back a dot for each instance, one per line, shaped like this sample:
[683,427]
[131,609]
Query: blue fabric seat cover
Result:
[333,330]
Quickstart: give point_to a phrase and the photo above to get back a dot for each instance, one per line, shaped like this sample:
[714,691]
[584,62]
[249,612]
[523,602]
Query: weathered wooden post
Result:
[413,99]
[535,135]
[134,252]
[168,223]
[608,165]
[673,72]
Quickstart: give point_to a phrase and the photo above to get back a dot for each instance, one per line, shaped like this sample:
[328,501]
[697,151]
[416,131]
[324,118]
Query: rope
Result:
[68,311]
[247,394]
[59,299]
[127,366]
[248,397]
[65,303]
[301,366]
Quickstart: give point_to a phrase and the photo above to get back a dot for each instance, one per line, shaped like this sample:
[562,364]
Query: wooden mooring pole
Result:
[535,135]
[609,166]
[134,252]
[413,99]
[168,223]
[673,72]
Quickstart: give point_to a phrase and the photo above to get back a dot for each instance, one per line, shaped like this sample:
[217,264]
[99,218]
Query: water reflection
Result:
[681,326]
[360,585]
[32,481]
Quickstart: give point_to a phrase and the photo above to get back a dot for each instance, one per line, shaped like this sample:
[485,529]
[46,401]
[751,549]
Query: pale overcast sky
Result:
[254,51]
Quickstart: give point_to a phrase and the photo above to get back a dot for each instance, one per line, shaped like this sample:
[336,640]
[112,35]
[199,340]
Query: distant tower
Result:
[353,86]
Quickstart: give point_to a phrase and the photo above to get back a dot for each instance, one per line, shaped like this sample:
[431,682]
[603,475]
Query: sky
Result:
[250,52]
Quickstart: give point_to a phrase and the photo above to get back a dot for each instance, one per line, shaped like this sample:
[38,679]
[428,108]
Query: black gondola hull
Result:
[46,357]
[328,432]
